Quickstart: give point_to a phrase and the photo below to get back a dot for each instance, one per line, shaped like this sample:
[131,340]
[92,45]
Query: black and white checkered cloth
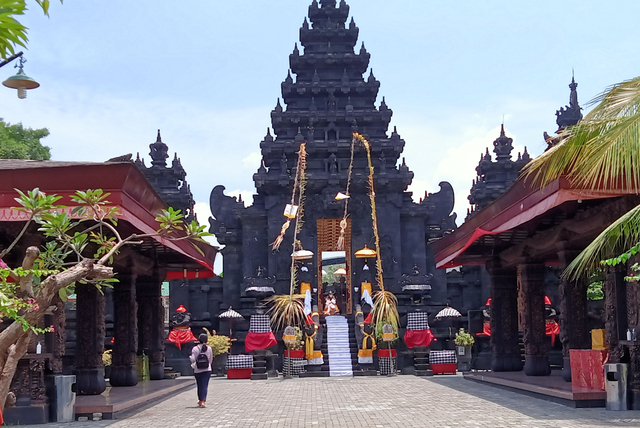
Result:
[417,321]
[240,362]
[259,324]
[442,357]
[295,365]
[387,365]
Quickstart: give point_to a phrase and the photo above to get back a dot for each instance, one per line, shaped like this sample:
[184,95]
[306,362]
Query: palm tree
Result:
[601,152]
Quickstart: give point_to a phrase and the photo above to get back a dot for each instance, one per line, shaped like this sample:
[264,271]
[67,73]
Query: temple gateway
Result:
[496,276]
[329,95]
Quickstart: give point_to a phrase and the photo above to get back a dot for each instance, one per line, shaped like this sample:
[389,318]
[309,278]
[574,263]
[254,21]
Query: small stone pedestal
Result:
[259,365]
[421,361]
[271,365]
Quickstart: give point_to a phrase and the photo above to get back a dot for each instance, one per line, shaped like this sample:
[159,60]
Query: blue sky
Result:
[208,73]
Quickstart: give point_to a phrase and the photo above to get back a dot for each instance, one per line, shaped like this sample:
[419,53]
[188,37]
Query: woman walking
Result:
[201,357]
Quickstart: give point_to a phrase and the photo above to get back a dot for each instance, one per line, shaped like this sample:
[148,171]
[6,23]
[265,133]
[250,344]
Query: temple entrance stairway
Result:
[339,352]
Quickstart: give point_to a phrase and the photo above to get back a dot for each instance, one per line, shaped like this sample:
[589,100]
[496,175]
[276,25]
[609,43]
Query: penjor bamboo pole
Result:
[374,215]
[299,181]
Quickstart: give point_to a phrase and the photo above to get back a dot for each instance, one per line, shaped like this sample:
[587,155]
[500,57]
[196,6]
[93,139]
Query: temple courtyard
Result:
[400,401]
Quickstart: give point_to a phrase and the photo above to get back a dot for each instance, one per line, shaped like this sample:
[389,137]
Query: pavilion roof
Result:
[514,217]
[131,192]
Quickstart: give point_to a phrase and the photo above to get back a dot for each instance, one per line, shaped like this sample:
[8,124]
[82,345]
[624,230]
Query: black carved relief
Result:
[505,350]
[615,311]
[125,346]
[531,281]
[90,331]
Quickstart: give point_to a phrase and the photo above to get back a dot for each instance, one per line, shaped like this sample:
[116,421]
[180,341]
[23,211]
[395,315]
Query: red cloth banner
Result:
[255,341]
[180,336]
[444,368]
[385,353]
[486,330]
[239,373]
[294,354]
[552,329]
[587,368]
[414,338]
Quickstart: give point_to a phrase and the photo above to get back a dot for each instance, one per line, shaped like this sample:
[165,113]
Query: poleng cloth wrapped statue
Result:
[313,342]
[181,332]
[260,335]
[418,332]
[368,344]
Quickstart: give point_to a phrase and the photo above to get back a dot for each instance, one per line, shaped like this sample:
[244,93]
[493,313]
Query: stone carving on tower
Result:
[169,182]
[566,116]
[495,177]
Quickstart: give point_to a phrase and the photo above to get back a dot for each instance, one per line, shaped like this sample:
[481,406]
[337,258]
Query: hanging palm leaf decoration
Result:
[385,308]
[288,309]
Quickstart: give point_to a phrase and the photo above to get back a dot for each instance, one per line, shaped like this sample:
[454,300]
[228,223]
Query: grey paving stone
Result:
[401,401]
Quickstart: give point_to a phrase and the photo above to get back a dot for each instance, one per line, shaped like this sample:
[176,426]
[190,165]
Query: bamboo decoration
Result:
[343,222]
[288,309]
[299,184]
[385,303]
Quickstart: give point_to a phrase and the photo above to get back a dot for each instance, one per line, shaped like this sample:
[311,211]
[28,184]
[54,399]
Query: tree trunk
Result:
[14,340]
[16,352]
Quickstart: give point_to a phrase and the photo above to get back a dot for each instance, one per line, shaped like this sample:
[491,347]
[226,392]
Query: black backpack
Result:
[202,361]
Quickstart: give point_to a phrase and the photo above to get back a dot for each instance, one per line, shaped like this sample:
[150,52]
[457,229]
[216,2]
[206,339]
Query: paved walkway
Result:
[401,401]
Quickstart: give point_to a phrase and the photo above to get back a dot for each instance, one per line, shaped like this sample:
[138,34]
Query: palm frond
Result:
[286,310]
[618,237]
[385,309]
[600,151]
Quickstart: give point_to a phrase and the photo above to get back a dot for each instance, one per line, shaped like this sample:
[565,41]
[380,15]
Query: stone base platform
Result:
[116,400]
[552,388]
[365,373]
[321,373]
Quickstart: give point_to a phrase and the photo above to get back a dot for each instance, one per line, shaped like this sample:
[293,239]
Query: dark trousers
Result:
[202,381]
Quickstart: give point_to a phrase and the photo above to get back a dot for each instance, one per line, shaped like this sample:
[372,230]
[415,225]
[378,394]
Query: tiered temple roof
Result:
[495,177]
[327,101]
[169,182]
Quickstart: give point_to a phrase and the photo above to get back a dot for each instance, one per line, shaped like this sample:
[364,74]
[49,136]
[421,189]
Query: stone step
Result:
[259,376]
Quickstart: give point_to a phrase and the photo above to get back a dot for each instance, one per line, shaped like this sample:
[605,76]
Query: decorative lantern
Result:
[365,253]
[21,81]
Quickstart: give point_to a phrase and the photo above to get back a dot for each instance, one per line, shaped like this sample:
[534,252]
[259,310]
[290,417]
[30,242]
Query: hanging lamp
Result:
[365,252]
[21,81]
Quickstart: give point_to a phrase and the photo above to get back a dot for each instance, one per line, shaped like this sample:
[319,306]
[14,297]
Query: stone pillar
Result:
[633,322]
[573,314]
[505,351]
[90,340]
[151,322]
[615,311]
[125,345]
[532,291]
[232,279]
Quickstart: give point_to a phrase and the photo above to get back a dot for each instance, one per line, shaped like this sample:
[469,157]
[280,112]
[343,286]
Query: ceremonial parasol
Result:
[449,314]
[231,314]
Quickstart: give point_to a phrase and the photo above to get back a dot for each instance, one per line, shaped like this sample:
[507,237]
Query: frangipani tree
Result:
[12,32]
[601,152]
[81,244]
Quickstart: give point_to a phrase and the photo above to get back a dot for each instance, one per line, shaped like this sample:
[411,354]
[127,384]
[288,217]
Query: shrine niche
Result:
[328,232]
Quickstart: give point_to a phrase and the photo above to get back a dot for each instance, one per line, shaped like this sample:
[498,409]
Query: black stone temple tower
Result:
[329,93]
